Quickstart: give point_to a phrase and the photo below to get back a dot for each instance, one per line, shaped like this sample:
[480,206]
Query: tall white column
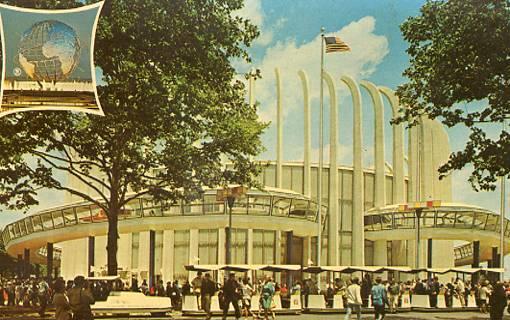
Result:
[398,148]
[279,129]
[125,251]
[168,255]
[221,250]
[414,181]
[380,253]
[193,251]
[333,239]
[358,232]
[380,183]
[278,253]
[249,250]
[307,170]
[100,255]
[441,154]
[143,255]
[426,163]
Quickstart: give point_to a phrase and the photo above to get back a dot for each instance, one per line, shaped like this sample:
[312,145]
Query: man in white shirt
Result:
[354,301]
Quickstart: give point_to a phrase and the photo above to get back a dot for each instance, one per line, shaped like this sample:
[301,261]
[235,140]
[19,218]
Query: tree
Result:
[460,73]
[173,110]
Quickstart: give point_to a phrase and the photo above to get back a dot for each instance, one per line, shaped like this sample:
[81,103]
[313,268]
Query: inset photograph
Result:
[48,59]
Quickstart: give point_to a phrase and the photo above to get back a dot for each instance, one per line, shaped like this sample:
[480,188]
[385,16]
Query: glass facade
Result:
[208,246]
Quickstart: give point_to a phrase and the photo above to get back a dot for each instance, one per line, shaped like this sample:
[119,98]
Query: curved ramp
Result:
[450,221]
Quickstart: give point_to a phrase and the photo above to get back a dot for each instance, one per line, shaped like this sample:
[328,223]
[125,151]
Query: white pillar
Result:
[168,255]
[100,253]
[380,253]
[221,251]
[358,233]
[380,183]
[441,154]
[278,253]
[143,255]
[307,180]
[333,239]
[125,251]
[279,129]
[249,250]
[307,252]
[427,171]
[398,148]
[413,183]
[193,251]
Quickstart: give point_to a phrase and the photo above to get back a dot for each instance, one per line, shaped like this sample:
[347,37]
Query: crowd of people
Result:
[72,299]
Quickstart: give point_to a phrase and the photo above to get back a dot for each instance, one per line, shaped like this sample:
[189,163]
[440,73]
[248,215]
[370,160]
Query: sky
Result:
[290,40]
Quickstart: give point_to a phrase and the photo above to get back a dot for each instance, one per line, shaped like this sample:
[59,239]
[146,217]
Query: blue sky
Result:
[290,41]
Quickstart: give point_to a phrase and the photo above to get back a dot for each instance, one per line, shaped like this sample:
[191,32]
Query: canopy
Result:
[281,267]
[242,267]
[104,278]
[203,267]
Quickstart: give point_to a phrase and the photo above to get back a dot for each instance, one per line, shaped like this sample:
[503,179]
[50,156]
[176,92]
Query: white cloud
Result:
[368,50]
[253,11]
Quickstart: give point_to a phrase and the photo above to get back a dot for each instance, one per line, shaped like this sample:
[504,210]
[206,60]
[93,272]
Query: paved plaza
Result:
[27,314]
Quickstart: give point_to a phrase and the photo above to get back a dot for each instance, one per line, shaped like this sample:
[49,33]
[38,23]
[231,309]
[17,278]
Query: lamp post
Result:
[228,196]
[230,202]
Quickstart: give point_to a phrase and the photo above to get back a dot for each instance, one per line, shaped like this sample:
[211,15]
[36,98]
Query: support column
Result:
[380,253]
[249,250]
[49,261]
[278,253]
[26,263]
[429,253]
[168,254]
[91,249]
[20,266]
[221,251]
[288,256]
[476,254]
[380,168]
[307,170]
[279,129]
[358,233]
[307,252]
[398,148]
[152,258]
[193,250]
[333,238]
[495,257]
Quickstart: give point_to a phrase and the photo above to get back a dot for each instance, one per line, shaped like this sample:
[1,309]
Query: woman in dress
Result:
[266,298]
[61,302]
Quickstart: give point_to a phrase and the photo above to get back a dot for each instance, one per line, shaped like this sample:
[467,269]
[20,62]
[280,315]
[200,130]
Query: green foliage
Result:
[460,58]
[7,263]
[172,108]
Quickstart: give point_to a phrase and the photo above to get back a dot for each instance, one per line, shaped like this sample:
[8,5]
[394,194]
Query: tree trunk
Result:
[112,245]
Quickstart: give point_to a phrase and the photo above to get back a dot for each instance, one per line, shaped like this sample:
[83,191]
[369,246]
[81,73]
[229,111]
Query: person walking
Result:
[266,298]
[207,290]
[366,289]
[379,299]
[61,302]
[43,294]
[484,295]
[434,292]
[196,285]
[231,295]
[80,299]
[354,301]
[497,302]
[394,294]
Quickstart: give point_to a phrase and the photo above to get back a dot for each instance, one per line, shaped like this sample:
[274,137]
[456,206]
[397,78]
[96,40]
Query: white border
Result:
[99,6]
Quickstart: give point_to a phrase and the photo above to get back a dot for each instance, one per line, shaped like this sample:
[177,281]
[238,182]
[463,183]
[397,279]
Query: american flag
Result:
[335,44]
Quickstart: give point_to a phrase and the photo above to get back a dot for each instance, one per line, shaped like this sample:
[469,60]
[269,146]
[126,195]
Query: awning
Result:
[281,267]
[203,267]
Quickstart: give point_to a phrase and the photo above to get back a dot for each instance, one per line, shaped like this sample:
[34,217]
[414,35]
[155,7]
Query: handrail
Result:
[87,213]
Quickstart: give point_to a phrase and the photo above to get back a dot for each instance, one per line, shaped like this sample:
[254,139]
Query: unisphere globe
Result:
[49,51]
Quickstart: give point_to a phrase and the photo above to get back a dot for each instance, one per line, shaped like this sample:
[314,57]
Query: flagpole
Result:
[321,160]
